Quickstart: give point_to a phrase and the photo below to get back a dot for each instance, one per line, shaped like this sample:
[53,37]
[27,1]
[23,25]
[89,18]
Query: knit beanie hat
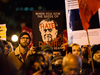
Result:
[58,57]
[45,48]
[95,48]
[21,34]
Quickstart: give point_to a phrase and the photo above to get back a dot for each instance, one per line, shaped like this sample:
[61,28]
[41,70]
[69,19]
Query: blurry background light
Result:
[31,8]
[14,38]
[40,7]
[26,9]
[21,8]
[17,9]
[43,8]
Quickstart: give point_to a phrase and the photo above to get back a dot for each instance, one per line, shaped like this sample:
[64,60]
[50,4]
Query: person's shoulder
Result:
[11,54]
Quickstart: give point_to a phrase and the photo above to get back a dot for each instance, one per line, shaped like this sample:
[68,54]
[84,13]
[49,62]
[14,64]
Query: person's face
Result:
[71,70]
[6,49]
[46,60]
[48,31]
[49,54]
[96,56]
[76,50]
[55,53]
[85,47]
[58,65]
[39,64]
[85,51]
[10,47]
[24,41]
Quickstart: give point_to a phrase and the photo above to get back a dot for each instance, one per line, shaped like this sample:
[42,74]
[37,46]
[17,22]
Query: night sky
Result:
[13,13]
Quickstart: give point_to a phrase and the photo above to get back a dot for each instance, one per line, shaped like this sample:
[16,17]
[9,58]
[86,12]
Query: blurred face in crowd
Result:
[85,47]
[10,47]
[58,64]
[49,54]
[85,51]
[24,41]
[96,56]
[55,53]
[6,49]
[48,30]
[39,64]
[46,59]
[76,50]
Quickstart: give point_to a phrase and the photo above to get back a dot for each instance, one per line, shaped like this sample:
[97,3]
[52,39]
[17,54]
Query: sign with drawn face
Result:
[47,26]
[48,30]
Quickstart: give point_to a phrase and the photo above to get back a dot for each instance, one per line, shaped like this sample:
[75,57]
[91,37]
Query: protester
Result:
[32,64]
[56,53]
[5,67]
[76,49]
[48,50]
[6,48]
[96,56]
[2,47]
[57,62]
[48,64]
[10,46]
[18,56]
[85,57]
[71,64]
[96,61]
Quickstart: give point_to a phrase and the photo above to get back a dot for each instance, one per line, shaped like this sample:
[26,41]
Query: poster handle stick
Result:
[90,51]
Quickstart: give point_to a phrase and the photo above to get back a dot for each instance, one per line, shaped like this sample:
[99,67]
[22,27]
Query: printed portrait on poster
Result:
[48,29]
[47,26]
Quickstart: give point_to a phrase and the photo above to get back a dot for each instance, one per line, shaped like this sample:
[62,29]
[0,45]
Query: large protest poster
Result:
[47,26]
[76,34]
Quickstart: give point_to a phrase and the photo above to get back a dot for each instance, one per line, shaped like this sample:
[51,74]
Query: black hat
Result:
[95,48]
[23,33]
[45,48]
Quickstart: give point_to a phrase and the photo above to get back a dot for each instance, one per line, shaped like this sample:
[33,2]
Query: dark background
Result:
[15,13]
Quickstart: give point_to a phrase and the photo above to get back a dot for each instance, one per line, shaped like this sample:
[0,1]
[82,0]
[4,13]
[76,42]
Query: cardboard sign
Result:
[3,31]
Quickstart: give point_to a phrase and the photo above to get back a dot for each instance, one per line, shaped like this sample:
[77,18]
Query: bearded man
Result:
[18,56]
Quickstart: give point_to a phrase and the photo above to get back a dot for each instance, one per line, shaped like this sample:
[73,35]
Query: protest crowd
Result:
[76,60]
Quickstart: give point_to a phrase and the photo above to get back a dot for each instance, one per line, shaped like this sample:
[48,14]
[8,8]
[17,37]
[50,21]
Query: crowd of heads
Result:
[46,61]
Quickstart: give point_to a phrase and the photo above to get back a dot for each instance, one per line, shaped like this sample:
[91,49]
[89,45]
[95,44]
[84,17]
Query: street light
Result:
[14,38]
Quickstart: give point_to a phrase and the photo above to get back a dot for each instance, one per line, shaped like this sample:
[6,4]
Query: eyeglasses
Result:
[48,30]
[25,38]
